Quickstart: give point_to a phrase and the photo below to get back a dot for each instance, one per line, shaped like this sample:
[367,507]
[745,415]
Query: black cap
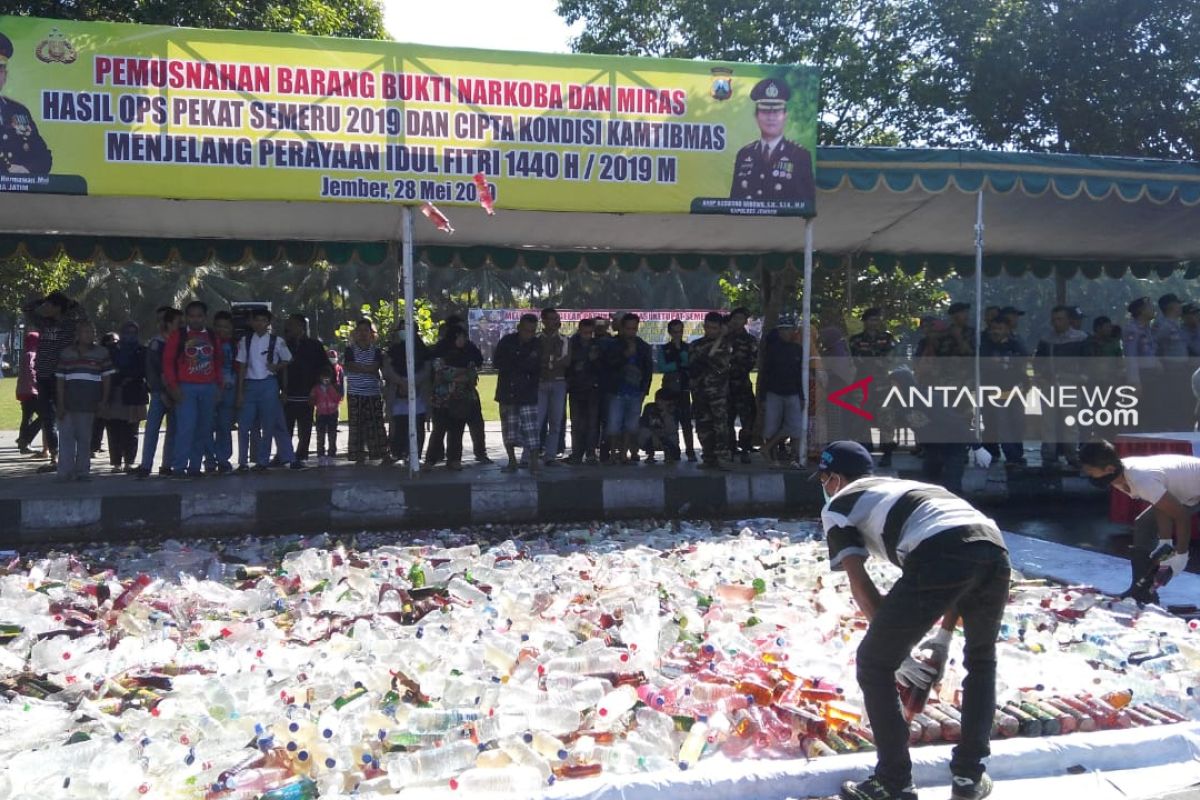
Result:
[1136,306]
[957,307]
[1168,299]
[1011,311]
[871,313]
[846,458]
[771,93]
[6,49]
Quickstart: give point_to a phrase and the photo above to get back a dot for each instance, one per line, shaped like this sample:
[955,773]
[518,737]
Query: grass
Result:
[10,409]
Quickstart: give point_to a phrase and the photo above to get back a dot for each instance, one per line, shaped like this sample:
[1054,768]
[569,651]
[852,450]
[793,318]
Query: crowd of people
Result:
[196,381]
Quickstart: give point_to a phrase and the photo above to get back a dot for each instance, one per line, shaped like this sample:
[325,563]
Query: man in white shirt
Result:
[261,358]
[1171,485]
[955,564]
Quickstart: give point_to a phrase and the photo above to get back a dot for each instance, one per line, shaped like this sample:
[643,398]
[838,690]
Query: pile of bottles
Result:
[294,668]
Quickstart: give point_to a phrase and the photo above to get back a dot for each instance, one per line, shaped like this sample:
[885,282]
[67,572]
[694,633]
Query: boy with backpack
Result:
[192,374]
[261,358]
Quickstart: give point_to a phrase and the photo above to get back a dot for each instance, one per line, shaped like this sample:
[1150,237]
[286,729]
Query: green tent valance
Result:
[374,254]
[1065,176]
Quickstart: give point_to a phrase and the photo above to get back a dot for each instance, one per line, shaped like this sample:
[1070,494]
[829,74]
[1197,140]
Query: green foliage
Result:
[357,19]
[384,317]
[865,50]
[23,279]
[1117,77]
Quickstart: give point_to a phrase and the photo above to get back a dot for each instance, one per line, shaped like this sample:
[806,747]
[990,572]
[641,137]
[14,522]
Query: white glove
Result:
[916,674]
[1170,568]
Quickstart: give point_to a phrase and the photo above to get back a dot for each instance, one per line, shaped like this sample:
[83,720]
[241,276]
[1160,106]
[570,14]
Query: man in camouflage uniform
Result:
[870,350]
[741,391]
[710,363]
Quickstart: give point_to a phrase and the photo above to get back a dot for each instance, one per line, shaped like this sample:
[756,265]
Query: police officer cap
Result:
[771,93]
[786,321]
[6,49]
[871,313]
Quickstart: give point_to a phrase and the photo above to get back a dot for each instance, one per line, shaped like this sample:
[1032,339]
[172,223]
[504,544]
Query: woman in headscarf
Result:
[128,398]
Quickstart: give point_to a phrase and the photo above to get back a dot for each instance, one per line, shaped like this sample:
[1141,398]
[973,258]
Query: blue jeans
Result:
[552,403]
[220,446]
[154,420]
[194,421]
[262,412]
[624,413]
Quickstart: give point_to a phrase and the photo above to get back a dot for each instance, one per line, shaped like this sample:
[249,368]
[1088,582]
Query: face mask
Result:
[825,491]
[1104,481]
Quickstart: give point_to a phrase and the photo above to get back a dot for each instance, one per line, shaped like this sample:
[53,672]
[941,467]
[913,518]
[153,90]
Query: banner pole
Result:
[806,344]
[978,311]
[410,339]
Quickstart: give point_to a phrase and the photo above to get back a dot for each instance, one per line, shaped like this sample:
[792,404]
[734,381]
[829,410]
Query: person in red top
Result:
[27,396]
[192,375]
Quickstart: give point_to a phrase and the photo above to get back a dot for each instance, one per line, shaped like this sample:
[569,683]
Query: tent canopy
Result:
[1044,213]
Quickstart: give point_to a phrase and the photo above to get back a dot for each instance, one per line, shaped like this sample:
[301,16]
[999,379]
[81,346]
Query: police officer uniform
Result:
[779,171]
[871,351]
[710,366]
[20,143]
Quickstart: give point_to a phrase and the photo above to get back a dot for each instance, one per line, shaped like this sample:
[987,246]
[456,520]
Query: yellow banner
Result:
[130,110]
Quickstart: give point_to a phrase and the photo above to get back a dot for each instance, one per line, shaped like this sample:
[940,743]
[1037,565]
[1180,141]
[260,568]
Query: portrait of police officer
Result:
[772,167]
[22,149]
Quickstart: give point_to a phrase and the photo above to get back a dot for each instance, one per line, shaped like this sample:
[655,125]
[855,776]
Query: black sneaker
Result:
[298,465]
[872,789]
[164,472]
[242,469]
[966,789]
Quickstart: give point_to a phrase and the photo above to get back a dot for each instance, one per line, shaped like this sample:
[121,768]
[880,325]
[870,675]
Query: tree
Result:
[871,70]
[357,19]
[24,279]
[1078,76]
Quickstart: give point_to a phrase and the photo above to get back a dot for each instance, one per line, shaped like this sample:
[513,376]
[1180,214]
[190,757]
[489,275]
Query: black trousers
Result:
[942,575]
[48,411]
[398,442]
[31,422]
[585,423]
[475,426]
[298,415]
[122,442]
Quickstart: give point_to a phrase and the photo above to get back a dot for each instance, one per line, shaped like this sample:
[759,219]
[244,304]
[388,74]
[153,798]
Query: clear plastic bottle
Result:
[514,780]
[425,766]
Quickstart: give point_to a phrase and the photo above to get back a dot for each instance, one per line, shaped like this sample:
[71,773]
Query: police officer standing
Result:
[773,168]
[22,149]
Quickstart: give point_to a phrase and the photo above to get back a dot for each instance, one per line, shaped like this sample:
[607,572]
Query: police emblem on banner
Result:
[55,49]
[722,83]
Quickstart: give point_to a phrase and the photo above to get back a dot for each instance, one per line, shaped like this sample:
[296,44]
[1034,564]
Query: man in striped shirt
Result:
[955,564]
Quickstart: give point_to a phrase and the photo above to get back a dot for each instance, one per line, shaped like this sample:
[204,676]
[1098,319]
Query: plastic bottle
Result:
[425,766]
[546,746]
[614,705]
[303,789]
[693,745]
[514,780]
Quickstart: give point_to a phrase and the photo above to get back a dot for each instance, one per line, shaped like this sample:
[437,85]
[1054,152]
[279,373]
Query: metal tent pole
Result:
[978,310]
[806,344]
[410,339]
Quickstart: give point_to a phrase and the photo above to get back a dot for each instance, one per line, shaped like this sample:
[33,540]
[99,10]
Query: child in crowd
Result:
[657,427]
[161,404]
[339,374]
[326,402]
[364,394]
[219,457]
[84,379]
